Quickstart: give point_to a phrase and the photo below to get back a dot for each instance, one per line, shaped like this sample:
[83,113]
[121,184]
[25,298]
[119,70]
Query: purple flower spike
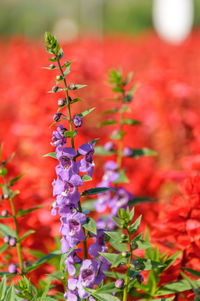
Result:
[71,296]
[58,136]
[86,164]
[71,260]
[87,277]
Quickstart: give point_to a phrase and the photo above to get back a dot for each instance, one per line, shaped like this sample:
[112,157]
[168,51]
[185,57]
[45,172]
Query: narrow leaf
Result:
[91,226]
[6,230]
[86,178]
[83,114]
[23,212]
[52,155]
[108,122]
[26,234]
[96,190]
[131,121]
[101,151]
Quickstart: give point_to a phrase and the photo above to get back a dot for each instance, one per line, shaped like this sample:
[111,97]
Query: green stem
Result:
[125,292]
[19,249]
[67,99]
[120,148]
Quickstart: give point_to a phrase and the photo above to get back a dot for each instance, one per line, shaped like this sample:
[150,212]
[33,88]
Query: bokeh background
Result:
[99,35]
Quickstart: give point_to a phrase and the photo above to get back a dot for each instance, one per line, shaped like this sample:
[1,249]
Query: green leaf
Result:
[23,212]
[6,230]
[115,275]
[128,78]
[41,261]
[91,225]
[14,180]
[143,152]
[138,200]
[193,272]
[117,221]
[116,240]
[140,243]
[94,141]
[105,297]
[70,133]
[67,71]
[134,227]
[10,293]
[86,178]
[3,171]
[131,121]
[88,205]
[101,151]
[148,264]
[3,287]
[165,299]
[117,135]
[129,96]
[3,248]
[175,287]
[26,234]
[108,122]
[83,114]
[107,288]
[111,111]
[171,260]
[96,190]
[76,87]
[115,259]
[75,100]
[122,177]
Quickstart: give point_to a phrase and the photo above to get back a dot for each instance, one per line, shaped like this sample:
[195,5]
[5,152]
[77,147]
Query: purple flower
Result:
[65,156]
[71,296]
[119,283]
[12,268]
[6,239]
[120,200]
[86,164]
[110,171]
[98,245]
[61,102]
[109,146]
[58,136]
[71,260]
[87,277]
[102,200]
[128,152]
[77,120]
[72,230]
[12,241]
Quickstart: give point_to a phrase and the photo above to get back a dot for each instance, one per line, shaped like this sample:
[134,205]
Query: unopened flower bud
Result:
[119,283]
[55,89]
[109,146]
[12,241]
[125,254]
[72,86]
[61,102]
[57,116]
[128,152]
[12,268]
[77,120]
[59,77]
[52,66]
[139,278]
[26,264]
[5,196]
[6,239]
[4,213]
[123,236]
[70,99]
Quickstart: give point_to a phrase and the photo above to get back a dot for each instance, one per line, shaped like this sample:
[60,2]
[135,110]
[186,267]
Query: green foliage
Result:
[85,113]
[96,190]
[90,226]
